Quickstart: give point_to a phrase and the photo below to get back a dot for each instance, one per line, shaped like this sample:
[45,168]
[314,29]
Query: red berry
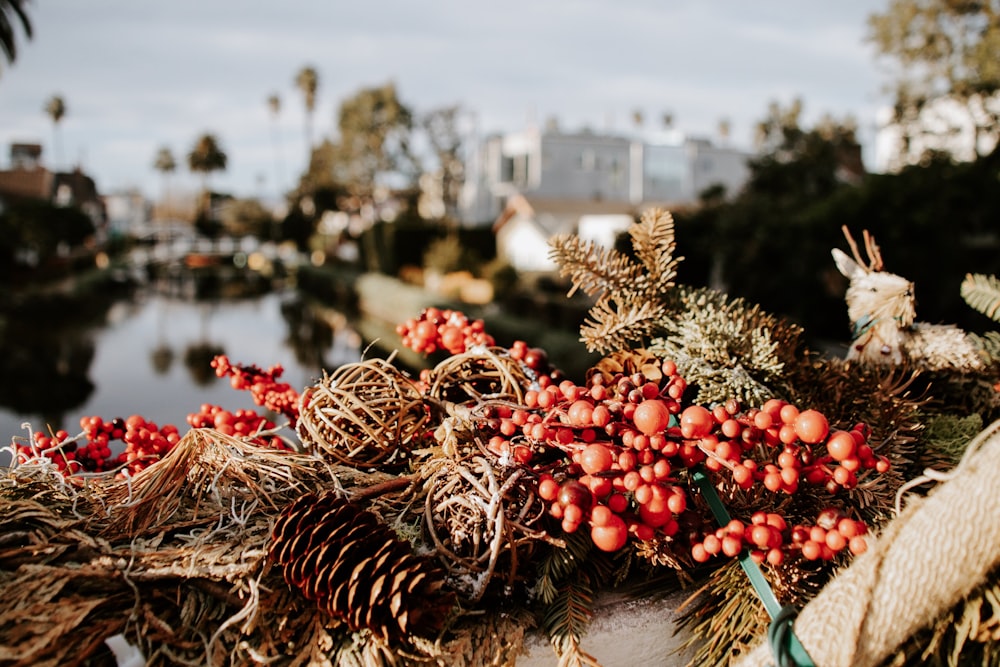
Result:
[811,426]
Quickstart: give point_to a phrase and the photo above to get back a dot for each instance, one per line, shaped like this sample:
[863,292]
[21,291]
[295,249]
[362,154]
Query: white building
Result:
[127,210]
[587,168]
[533,184]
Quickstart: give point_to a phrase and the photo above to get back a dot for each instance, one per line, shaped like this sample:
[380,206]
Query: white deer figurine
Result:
[881,307]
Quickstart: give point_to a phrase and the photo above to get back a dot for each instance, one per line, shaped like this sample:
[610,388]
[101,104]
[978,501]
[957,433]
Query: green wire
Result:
[785,646]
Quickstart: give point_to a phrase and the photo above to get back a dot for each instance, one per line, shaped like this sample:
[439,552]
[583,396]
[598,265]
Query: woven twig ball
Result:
[482,520]
[480,374]
[362,415]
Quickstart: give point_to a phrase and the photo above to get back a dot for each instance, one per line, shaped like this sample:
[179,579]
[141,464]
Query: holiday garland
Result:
[392,517]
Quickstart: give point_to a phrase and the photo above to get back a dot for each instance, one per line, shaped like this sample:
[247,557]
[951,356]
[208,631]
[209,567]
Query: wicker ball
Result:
[477,375]
[483,521]
[363,414]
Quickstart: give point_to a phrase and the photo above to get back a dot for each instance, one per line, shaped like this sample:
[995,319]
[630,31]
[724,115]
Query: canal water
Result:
[149,352]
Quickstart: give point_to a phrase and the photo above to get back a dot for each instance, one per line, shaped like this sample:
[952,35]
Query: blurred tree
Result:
[942,49]
[204,158]
[308,81]
[795,163]
[445,137]
[9,11]
[375,130]
[316,192]
[40,228]
[55,107]
[248,217]
[776,248]
[166,165]
[274,105]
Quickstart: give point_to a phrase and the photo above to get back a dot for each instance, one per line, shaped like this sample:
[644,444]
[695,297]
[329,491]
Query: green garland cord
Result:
[785,646]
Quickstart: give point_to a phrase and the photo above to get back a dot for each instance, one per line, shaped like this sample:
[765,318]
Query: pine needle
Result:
[608,329]
[654,245]
[592,268]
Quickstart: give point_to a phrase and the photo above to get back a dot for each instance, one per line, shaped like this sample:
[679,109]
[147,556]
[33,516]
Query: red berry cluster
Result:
[245,424]
[802,446]
[145,443]
[619,475]
[625,444]
[537,360]
[443,329]
[58,447]
[770,538]
[264,387]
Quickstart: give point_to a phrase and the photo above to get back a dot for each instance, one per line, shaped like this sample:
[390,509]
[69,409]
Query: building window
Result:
[514,169]
[506,169]
[588,160]
[617,173]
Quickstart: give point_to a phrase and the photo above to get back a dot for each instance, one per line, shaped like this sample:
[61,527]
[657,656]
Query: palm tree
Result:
[307,81]
[9,9]
[274,104]
[166,165]
[204,158]
[56,109]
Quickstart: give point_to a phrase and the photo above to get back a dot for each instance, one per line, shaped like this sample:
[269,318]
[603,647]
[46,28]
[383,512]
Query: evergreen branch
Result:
[654,245]
[561,563]
[982,293]
[593,268]
[989,343]
[609,329]
[567,619]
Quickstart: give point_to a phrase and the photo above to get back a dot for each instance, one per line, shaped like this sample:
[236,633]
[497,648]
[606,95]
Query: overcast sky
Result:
[137,75]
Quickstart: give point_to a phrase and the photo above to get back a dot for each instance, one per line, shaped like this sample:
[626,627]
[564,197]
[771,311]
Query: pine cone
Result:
[627,362]
[357,570]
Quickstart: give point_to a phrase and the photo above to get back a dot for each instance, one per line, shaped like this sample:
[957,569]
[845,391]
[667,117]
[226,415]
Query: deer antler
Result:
[871,248]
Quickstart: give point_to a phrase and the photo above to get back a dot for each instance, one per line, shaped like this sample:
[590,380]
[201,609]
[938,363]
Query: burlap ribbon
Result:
[934,553]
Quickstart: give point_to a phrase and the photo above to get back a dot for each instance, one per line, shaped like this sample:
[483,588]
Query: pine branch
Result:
[654,244]
[567,619]
[609,329]
[989,343]
[592,268]
[562,563]
[982,293]
[726,347]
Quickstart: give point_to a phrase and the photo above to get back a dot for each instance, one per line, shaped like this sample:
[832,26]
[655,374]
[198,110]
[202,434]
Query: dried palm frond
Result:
[207,471]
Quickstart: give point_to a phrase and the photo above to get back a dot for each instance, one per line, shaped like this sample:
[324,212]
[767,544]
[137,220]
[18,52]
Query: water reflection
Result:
[48,347]
[122,359]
